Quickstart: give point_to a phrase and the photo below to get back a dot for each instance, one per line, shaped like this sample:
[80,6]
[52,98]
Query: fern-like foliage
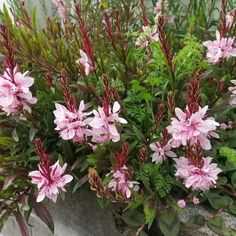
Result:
[230,154]
[189,58]
[156,177]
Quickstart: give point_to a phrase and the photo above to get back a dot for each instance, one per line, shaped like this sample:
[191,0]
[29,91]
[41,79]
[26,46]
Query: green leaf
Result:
[217,225]
[4,218]
[150,210]
[169,223]
[230,154]
[133,217]
[6,141]
[103,202]
[196,221]
[80,183]
[232,208]
[222,180]
[92,159]
[139,134]
[219,202]
[233,180]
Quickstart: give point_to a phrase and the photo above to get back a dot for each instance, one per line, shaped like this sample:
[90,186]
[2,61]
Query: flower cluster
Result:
[121,181]
[15,95]
[78,125]
[72,124]
[197,177]
[219,49]
[104,124]
[161,149]
[193,128]
[50,179]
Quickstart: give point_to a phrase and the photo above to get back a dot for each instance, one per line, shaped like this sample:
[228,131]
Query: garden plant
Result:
[135,100]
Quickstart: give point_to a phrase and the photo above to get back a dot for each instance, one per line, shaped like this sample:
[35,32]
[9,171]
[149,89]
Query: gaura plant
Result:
[138,102]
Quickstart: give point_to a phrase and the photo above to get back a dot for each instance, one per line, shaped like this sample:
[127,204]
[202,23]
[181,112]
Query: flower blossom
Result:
[161,151]
[194,127]
[86,62]
[72,124]
[195,177]
[50,181]
[62,10]
[221,48]
[232,89]
[104,123]
[14,91]
[121,182]
[181,203]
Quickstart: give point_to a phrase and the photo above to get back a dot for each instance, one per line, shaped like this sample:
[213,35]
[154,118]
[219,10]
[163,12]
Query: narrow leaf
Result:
[21,222]
[43,214]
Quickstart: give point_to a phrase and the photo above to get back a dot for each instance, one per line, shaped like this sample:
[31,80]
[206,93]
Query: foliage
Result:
[149,80]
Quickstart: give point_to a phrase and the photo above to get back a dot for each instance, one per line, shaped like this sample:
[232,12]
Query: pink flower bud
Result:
[181,203]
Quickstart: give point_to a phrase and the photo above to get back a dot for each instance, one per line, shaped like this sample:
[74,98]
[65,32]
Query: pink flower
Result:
[122,184]
[221,48]
[203,178]
[62,10]
[230,18]
[232,89]
[196,201]
[175,143]
[86,62]
[147,36]
[181,203]
[14,91]
[223,126]
[193,127]
[104,124]
[183,167]
[197,178]
[161,152]
[158,10]
[72,125]
[50,180]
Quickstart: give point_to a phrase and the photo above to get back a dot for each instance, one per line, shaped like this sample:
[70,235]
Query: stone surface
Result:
[78,215]
[191,210]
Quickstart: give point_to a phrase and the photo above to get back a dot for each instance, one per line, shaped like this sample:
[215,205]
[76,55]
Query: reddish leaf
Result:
[43,214]
[8,181]
[21,222]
